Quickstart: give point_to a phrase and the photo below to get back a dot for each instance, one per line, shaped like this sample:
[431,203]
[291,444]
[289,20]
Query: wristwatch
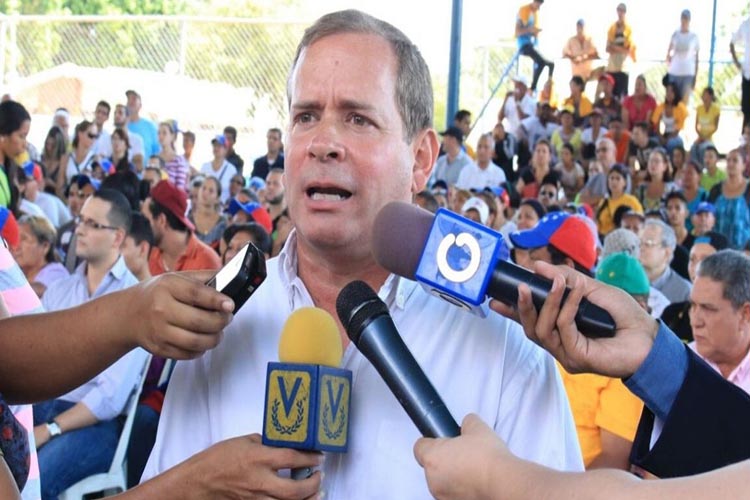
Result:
[54,429]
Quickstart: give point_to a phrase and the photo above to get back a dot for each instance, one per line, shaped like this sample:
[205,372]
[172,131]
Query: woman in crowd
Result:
[567,133]
[638,107]
[54,156]
[706,123]
[678,158]
[531,177]
[81,158]
[120,147]
[528,215]
[36,253]
[175,165]
[669,117]
[570,171]
[207,215]
[657,182]
[15,122]
[691,188]
[617,180]
[730,199]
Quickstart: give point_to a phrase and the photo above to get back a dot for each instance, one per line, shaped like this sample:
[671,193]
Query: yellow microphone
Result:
[307,394]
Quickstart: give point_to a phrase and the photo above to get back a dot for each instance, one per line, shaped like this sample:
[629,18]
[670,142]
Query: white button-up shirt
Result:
[486,366]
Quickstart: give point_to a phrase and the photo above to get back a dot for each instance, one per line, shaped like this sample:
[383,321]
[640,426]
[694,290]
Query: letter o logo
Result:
[462,240]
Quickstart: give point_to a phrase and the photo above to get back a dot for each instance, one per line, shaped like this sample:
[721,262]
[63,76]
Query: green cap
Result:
[625,272]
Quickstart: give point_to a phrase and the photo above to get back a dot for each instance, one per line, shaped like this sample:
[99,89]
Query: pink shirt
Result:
[740,376]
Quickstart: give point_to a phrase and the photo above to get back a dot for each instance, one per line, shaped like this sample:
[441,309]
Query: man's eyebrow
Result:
[346,104]
[307,106]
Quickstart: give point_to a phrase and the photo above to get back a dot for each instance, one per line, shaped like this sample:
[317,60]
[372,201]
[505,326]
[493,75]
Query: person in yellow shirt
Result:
[620,46]
[580,105]
[617,180]
[606,413]
[706,123]
[669,117]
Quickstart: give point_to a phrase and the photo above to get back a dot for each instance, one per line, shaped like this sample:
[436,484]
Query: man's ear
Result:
[426,147]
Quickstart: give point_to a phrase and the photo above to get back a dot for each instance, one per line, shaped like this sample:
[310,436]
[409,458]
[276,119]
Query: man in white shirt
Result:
[518,105]
[484,173]
[682,57]
[360,137]
[449,166]
[103,145]
[742,37]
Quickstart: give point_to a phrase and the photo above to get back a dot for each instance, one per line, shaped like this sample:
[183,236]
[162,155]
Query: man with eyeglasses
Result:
[596,188]
[77,433]
[80,189]
[658,244]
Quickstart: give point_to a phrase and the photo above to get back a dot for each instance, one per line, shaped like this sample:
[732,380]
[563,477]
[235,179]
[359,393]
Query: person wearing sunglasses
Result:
[83,155]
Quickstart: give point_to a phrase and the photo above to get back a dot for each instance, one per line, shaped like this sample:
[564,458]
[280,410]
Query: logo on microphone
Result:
[334,410]
[290,408]
[458,260]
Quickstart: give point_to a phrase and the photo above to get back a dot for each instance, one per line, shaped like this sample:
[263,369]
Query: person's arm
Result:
[76,417]
[614,454]
[174,315]
[698,139]
[8,488]
[478,466]
[734,55]
[236,468]
[668,59]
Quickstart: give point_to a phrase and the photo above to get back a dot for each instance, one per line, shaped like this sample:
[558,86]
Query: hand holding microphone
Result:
[307,395]
[461,262]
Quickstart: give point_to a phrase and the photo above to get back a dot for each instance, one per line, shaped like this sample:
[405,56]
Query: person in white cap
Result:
[518,105]
[476,209]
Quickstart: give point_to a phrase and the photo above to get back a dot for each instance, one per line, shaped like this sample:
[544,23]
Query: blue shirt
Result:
[74,290]
[147,130]
[660,377]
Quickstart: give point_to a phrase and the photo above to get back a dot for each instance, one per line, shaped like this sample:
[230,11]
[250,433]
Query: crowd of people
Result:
[605,187]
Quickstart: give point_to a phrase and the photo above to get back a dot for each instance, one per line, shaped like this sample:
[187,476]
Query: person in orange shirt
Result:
[176,248]
[620,137]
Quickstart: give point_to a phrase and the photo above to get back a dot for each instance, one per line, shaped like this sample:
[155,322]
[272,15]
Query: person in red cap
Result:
[176,247]
[606,99]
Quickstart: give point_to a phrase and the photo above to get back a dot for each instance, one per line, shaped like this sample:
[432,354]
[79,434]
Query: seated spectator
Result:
[241,234]
[425,199]
[120,148]
[731,199]
[77,433]
[154,174]
[82,155]
[617,179]
[668,119]
[591,136]
[36,254]
[477,210]
[529,213]
[506,149]
[484,173]
[638,107]
[677,316]
[448,167]
[677,214]
[550,192]
[250,212]
[678,164]
[658,181]
[462,120]
[220,168]
[566,133]
[530,178]
[703,219]
[641,146]
[207,215]
[498,197]
[33,190]
[620,137]
[538,127]
[630,219]
[517,106]
[711,175]
[720,316]
[195,187]
[235,186]
[136,248]
[595,188]
[54,158]
[570,171]
[605,98]
[694,193]
[707,116]
[657,250]
[578,103]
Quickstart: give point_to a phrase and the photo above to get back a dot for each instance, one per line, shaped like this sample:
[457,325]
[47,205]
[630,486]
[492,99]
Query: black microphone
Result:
[369,325]
[458,260]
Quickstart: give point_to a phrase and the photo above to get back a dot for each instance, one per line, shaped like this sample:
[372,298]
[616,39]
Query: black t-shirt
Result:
[676,316]
[261,166]
[680,261]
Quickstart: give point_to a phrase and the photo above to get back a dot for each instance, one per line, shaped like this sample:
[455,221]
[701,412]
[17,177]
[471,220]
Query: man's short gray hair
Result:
[413,82]
[732,269]
[668,238]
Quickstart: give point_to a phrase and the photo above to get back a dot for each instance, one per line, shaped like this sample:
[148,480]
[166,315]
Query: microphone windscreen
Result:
[399,235]
[310,336]
[356,304]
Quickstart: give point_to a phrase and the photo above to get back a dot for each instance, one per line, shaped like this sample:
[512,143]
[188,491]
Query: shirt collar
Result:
[661,280]
[118,270]
[740,373]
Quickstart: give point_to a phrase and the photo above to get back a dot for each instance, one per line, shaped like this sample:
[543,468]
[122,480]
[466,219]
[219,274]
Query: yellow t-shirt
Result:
[599,402]
[706,119]
[605,218]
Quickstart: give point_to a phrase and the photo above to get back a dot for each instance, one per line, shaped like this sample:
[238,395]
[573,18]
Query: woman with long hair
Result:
[175,165]
[15,122]
[669,117]
[36,254]
[206,215]
[617,180]
[658,181]
[54,155]
[730,198]
[82,157]
[531,177]
[120,147]
[638,107]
